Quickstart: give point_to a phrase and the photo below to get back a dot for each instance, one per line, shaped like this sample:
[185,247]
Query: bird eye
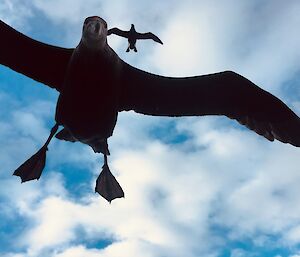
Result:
[104,22]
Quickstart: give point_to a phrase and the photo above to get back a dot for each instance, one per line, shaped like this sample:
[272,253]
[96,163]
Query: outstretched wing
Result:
[118,32]
[44,63]
[225,93]
[149,35]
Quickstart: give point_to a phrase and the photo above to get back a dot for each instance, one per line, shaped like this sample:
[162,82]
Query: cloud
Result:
[60,11]
[131,248]
[255,39]
[157,188]
[15,12]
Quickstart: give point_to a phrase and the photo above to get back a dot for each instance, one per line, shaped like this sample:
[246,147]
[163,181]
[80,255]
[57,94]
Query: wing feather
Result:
[118,32]
[149,35]
[44,63]
[225,93]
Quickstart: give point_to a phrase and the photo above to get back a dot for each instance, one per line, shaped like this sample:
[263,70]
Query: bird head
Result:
[94,32]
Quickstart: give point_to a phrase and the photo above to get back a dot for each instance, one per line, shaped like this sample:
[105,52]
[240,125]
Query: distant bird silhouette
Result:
[95,84]
[132,36]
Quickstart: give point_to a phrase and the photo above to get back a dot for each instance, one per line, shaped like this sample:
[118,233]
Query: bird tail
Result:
[65,134]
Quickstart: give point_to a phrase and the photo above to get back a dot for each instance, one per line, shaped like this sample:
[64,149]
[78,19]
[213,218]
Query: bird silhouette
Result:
[95,85]
[132,36]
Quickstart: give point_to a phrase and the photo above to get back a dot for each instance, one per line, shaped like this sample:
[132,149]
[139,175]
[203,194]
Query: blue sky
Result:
[193,186]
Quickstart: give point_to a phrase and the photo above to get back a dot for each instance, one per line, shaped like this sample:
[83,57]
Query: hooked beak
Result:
[97,28]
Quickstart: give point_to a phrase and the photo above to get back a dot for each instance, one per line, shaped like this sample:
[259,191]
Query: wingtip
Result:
[158,41]
[287,132]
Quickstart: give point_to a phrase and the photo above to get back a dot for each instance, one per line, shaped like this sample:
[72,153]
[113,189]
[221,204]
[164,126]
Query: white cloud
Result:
[15,12]
[258,40]
[128,248]
[68,11]
[156,190]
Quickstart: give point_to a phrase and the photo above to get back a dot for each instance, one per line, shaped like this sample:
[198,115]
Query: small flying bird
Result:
[132,36]
[95,85]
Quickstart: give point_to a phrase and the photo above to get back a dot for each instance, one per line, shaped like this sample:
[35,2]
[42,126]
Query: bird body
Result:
[132,38]
[90,95]
[95,85]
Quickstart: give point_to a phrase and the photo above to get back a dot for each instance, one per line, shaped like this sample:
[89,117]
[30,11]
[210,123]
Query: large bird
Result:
[132,35]
[95,84]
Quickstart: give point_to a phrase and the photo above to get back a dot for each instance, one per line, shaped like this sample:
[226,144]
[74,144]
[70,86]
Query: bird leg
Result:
[107,185]
[128,48]
[33,167]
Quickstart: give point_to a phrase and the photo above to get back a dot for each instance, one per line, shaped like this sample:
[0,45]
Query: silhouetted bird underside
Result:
[95,84]
[133,36]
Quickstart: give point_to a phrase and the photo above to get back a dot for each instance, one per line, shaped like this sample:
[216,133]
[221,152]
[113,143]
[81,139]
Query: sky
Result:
[194,186]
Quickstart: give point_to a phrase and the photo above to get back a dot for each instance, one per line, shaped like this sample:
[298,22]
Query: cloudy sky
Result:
[193,186]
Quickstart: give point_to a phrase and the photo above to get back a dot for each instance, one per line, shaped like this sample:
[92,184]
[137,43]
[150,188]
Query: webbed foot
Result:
[33,167]
[107,185]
